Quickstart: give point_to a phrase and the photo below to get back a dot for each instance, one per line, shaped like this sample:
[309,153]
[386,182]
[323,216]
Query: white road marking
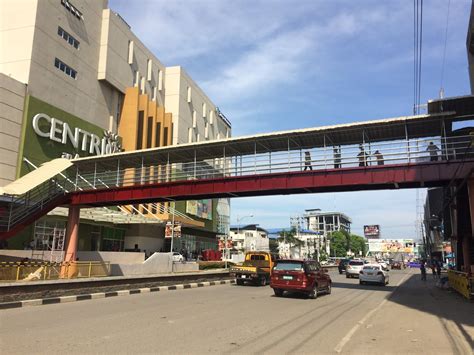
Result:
[354,329]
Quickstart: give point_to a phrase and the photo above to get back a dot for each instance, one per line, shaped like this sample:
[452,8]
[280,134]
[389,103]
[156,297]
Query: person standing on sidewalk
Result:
[433,268]
[423,270]
[438,268]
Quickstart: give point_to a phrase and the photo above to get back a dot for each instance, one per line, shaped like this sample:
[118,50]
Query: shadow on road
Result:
[369,287]
[445,304]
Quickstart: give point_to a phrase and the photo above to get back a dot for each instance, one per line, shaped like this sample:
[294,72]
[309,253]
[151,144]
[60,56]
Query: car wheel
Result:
[278,292]
[340,272]
[361,282]
[347,276]
[314,293]
[239,282]
[329,289]
[383,282]
[263,281]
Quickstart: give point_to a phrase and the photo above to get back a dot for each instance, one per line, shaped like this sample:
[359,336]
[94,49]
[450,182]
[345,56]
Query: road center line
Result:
[354,329]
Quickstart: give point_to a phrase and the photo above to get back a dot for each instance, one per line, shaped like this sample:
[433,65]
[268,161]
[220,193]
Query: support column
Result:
[468,239]
[69,268]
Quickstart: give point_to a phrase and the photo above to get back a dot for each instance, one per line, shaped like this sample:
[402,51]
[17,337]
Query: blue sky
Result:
[277,65]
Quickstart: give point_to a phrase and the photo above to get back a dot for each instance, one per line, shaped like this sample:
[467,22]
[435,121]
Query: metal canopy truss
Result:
[391,129]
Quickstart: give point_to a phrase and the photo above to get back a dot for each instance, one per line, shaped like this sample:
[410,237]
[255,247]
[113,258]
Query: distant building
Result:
[250,237]
[309,244]
[323,223]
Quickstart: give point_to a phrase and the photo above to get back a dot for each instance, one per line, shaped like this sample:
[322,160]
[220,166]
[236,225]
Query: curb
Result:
[93,296]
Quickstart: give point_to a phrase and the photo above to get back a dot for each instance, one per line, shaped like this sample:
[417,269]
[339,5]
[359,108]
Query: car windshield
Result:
[371,267]
[290,266]
[359,263]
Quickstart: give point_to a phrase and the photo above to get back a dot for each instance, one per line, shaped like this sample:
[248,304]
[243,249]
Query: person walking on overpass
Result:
[307,161]
[433,150]
[337,157]
[362,156]
[379,157]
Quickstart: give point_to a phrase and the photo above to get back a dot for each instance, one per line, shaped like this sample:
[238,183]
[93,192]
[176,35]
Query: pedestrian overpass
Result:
[380,154]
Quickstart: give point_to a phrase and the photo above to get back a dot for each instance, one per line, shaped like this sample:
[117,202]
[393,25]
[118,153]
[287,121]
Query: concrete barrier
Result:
[158,263]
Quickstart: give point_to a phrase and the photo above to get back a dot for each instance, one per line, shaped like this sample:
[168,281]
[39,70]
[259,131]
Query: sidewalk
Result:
[422,319]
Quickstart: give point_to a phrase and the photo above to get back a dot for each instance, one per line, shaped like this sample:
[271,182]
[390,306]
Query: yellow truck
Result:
[256,268]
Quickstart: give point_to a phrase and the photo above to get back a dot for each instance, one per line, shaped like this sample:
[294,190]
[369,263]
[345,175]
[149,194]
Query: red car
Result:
[302,276]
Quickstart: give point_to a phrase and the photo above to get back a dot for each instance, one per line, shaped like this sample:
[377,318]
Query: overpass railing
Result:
[293,160]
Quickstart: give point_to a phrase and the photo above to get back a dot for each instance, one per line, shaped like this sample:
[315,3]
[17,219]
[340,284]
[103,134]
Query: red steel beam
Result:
[334,180]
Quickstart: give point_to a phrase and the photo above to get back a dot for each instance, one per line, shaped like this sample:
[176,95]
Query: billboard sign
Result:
[372,231]
[200,208]
[392,246]
[169,230]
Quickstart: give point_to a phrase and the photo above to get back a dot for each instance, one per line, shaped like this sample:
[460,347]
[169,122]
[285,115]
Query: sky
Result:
[279,65]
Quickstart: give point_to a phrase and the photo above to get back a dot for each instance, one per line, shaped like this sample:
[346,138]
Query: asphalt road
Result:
[248,319]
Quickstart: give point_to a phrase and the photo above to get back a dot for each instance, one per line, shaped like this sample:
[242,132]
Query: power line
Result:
[420,61]
[417,51]
[441,89]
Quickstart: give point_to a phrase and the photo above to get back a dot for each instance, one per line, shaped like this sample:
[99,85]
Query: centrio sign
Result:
[61,132]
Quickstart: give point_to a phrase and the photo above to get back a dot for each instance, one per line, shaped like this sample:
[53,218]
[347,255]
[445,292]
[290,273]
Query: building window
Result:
[206,131]
[171,133]
[165,136]
[204,110]
[68,38]
[139,144]
[190,135]
[65,68]
[194,119]
[136,77]
[154,93]
[149,133]
[157,134]
[160,80]
[130,52]
[148,71]
[189,94]
[142,85]
[72,9]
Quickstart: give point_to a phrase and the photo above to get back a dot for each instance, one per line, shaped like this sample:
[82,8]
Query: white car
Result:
[353,268]
[177,257]
[373,273]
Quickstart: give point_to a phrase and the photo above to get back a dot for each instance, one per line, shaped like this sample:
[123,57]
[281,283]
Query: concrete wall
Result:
[110,256]
[148,237]
[16,37]
[12,99]
[178,86]
[158,263]
[118,45]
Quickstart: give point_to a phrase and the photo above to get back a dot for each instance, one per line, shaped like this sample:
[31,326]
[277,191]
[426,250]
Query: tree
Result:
[273,244]
[339,243]
[289,237]
[357,245]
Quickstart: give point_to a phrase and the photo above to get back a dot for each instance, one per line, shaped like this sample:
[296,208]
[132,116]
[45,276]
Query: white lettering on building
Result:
[61,132]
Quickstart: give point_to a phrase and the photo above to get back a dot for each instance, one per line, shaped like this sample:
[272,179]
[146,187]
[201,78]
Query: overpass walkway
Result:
[402,152]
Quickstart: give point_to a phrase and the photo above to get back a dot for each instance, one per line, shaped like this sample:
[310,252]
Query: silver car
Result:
[353,268]
[373,273]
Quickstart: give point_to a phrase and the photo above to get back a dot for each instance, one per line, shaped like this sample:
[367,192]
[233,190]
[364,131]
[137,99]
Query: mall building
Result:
[75,81]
